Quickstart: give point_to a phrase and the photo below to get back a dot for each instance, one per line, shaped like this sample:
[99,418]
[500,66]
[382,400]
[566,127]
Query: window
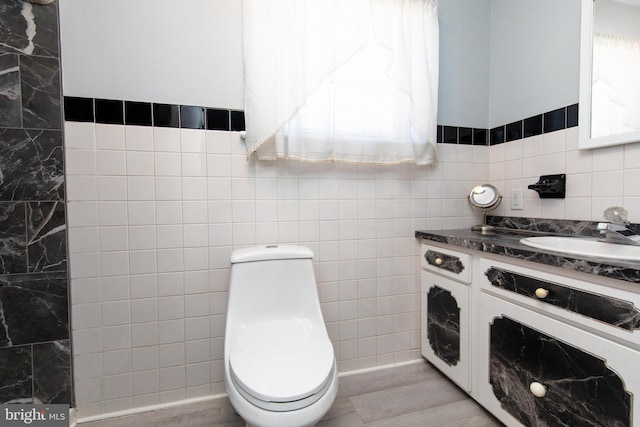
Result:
[352,81]
[616,66]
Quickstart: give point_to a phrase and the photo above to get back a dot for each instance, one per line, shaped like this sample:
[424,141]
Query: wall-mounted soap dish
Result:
[550,186]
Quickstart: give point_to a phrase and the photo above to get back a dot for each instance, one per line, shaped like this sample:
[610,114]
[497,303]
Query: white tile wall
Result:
[596,179]
[154,214]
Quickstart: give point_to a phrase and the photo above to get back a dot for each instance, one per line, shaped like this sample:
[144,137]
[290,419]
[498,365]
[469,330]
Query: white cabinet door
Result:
[537,371]
[444,326]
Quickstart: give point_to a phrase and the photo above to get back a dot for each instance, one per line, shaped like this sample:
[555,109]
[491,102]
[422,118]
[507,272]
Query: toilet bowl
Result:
[279,363]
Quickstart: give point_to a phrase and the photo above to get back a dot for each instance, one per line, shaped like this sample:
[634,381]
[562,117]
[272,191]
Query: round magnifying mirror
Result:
[484,197]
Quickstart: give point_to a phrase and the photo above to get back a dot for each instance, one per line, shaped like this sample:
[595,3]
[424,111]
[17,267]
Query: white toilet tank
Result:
[272,282]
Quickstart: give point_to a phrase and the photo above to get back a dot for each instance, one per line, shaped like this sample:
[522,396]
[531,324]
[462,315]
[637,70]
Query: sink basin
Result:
[584,246]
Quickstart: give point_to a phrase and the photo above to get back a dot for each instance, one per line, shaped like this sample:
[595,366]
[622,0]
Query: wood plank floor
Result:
[405,396]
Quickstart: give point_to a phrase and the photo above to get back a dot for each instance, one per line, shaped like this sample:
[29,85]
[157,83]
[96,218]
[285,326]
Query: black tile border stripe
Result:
[111,111]
[79,109]
[551,121]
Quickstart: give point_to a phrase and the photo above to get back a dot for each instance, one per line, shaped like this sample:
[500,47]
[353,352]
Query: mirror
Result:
[484,197]
[609,73]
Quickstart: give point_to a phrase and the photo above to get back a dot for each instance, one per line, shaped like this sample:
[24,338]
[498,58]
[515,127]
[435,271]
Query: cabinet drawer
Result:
[538,371]
[611,310]
[454,264]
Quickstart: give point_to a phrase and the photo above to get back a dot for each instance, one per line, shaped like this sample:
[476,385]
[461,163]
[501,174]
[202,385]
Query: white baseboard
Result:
[379,368]
[185,402]
[149,408]
[72,417]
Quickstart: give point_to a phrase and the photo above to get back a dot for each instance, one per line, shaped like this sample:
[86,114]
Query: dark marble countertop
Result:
[507,243]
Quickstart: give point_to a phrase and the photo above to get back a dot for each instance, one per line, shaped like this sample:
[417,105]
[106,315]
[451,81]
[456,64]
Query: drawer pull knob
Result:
[537,389]
[542,293]
[438,261]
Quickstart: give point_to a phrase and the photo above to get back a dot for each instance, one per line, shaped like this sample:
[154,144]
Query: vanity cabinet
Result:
[555,350]
[535,345]
[445,307]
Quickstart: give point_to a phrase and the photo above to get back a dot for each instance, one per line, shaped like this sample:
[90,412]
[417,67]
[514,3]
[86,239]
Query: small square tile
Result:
[109,111]
[78,109]
[79,135]
[450,135]
[480,136]
[572,115]
[497,135]
[109,137]
[465,136]
[139,138]
[218,119]
[554,120]
[166,115]
[439,133]
[532,126]
[137,113]
[237,121]
[513,131]
[191,117]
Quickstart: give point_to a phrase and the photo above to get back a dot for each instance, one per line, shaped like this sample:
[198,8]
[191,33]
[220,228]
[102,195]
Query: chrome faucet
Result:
[617,229]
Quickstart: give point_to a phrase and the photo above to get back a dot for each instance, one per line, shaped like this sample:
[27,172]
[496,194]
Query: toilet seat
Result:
[282,365]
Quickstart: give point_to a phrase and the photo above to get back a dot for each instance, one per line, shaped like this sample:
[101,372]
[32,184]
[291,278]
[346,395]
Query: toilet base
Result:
[304,417]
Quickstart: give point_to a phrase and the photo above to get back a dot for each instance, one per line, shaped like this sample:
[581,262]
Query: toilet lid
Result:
[283,360]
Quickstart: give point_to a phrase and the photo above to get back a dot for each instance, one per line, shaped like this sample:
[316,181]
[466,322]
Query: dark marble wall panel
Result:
[28,28]
[46,236]
[10,100]
[40,86]
[13,255]
[16,376]
[52,372]
[31,165]
[45,19]
[14,27]
[34,308]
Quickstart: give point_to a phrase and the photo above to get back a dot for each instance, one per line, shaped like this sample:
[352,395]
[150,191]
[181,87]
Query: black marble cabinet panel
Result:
[31,165]
[443,325]
[613,311]
[444,261]
[581,389]
[34,308]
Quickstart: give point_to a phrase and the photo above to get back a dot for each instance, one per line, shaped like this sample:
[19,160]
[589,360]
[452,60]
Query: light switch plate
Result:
[517,203]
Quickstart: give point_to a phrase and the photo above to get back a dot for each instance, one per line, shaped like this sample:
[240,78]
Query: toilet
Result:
[280,367]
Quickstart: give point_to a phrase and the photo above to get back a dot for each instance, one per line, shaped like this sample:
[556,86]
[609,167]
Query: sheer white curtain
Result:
[614,98]
[344,80]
